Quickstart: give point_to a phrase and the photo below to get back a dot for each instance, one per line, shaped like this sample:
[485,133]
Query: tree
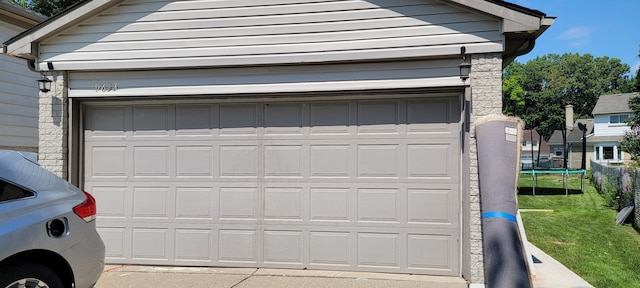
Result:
[637,80]
[22,3]
[46,7]
[538,90]
[631,141]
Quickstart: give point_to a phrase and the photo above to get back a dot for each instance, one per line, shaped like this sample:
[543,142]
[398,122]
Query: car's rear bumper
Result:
[86,258]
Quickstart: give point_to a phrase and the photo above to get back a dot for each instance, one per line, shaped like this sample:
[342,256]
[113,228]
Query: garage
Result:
[307,134]
[370,184]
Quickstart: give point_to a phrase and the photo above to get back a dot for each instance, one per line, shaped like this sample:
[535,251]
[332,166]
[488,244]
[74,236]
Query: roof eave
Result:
[521,26]
[24,45]
[20,16]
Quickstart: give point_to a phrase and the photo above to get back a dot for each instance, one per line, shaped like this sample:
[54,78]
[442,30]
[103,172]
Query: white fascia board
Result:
[513,21]
[22,47]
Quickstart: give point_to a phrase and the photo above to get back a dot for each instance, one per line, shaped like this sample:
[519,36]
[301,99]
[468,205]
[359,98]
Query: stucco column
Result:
[486,97]
[53,126]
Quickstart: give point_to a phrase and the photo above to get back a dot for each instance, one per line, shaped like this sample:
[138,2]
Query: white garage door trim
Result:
[367,185]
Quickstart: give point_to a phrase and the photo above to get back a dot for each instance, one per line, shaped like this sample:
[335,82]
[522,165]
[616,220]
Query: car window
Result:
[10,192]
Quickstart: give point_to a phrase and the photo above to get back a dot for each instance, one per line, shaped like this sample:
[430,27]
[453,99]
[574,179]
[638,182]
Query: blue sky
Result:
[600,28]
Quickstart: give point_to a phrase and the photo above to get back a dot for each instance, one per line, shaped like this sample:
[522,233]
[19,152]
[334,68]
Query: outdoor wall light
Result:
[465,67]
[44,84]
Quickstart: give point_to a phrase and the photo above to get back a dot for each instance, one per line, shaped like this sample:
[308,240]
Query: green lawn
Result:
[581,232]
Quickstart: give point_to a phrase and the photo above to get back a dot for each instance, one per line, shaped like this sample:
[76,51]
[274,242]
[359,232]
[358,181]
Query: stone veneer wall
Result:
[53,127]
[486,97]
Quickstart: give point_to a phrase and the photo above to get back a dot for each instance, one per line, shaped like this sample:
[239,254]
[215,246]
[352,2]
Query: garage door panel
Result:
[238,119]
[195,203]
[194,120]
[369,185]
[151,121]
[379,250]
[238,203]
[437,257]
[329,161]
[238,246]
[112,200]
[378,205]
[434,160]
[107,122]
[150,243]
[431,206]
[194,161]
[283,247]
[330,118]
[151,202]
[284,119]
[378,117]
[107,162]
[193,245]
[152,161]
[283,203]
[330,248]
[378,161]
[283,161]
[238,161]
[329,204]
[432,116]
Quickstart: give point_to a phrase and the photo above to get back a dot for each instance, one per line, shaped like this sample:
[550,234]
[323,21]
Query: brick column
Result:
[486,98]
[53,127]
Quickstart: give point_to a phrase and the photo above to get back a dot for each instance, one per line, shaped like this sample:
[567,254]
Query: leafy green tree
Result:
[631,140]
[22,3]
[637,80]
[46,7]
[538,90]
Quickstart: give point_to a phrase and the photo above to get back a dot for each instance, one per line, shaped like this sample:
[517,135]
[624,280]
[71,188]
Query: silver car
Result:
[48,233]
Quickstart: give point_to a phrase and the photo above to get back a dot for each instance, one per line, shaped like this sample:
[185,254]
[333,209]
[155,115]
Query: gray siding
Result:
[150,34]
[18,99]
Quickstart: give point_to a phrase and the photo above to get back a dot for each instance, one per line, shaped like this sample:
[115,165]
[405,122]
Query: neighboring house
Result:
[604,133]
[291,134]
[609,115]
[574,145]
[18,87]
[534,149]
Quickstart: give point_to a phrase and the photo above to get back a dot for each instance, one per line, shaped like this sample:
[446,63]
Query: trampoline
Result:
[565,177]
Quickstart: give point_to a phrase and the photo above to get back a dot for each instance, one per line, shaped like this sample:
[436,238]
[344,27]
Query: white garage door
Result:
[367,185]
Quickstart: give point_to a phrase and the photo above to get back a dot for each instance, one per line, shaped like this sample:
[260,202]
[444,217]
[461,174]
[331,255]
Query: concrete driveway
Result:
[549,273]
[150,276]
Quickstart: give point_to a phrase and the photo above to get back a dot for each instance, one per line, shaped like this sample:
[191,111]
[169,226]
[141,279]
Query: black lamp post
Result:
[44,84]
[465,67]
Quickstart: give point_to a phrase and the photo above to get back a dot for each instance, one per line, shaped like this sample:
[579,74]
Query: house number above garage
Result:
[106,87]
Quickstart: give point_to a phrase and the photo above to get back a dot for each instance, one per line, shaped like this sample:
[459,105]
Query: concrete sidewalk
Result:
[549,274]
[552,274]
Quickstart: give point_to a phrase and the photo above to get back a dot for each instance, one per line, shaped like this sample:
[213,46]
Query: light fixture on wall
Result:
[44,84]
[465,67]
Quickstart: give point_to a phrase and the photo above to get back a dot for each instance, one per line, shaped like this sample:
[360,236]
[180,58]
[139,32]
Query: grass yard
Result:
[580,232]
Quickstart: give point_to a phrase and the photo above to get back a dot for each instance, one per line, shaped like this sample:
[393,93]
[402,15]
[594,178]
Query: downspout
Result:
[31,64]
[498,147]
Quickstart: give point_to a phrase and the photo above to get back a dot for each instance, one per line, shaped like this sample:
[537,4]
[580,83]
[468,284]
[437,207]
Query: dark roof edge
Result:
[21,11]
[519,8]
[45,22]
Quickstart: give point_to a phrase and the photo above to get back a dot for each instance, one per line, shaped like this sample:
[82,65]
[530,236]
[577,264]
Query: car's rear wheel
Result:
[30,276]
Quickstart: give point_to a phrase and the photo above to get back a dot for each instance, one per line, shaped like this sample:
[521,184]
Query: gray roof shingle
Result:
[574,135]
[613,103]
